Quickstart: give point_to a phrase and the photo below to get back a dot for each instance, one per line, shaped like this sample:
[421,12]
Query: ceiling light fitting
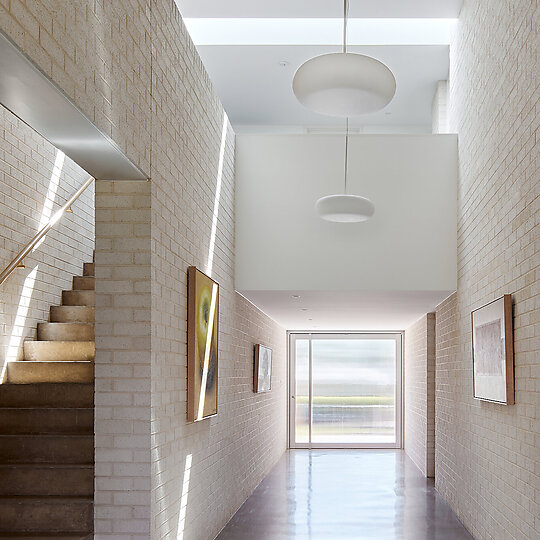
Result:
[344,84]
[345,208]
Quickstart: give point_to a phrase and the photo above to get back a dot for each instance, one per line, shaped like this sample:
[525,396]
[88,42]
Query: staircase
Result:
[47,425]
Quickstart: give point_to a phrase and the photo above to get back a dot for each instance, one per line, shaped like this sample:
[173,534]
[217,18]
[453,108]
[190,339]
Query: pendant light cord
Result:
[345,17]
[346,153]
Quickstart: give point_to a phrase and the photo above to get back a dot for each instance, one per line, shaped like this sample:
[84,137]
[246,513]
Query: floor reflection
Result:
[345,494]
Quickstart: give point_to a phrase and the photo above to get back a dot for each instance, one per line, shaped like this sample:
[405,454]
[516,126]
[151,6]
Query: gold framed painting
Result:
[262,371]
[202,360]
[493,351]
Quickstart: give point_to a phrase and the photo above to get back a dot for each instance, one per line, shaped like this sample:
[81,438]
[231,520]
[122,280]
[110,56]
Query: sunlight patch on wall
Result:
[209,335]
[51,193]
[212,247]
[184,499]
[20,319]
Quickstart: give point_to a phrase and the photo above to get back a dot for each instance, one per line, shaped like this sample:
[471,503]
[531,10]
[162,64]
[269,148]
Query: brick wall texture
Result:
[419,392]
[122,365]
[131,67]
[487,455]
[35,181]
[201,472]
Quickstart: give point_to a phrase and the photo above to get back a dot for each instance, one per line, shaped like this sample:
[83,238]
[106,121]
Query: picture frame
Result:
[262,369]
[202,346]
[493,351]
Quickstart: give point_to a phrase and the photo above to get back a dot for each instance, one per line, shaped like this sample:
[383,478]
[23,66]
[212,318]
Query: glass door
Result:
[345,390]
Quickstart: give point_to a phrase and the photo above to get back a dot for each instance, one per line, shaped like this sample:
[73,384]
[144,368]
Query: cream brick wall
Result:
[97,53]
[131,68]
[35,181]
[201,472]
[122,366]
[487,455]
[419,406]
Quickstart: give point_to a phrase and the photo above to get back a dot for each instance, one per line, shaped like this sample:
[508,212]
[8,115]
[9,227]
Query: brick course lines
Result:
[487,455]
[419,421]
[132,69]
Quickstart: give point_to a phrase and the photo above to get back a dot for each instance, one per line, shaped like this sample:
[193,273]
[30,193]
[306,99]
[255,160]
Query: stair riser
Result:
[46,449]
[50,372]
[44,480]
[63,516]
[88,269]
[78,298]
[84,283]
[59,351]
[47,395]
[67,314]
[78,421]
[65,331]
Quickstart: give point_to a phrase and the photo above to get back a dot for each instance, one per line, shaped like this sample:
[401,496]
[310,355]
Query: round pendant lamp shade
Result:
[344,84]
[344,208]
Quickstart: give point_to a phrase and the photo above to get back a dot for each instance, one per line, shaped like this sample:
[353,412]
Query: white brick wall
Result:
[35,181]
[419,421]
[132,69]
[123,378]
[229,454]
[487,455]
[97,52]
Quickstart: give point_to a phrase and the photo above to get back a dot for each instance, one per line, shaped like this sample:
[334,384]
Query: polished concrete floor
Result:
[345,494]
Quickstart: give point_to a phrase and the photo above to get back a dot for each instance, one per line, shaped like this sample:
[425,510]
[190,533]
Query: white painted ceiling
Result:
[346,310]
[320,8]
[256,90]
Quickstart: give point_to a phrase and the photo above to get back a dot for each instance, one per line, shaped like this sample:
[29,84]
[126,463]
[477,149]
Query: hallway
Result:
[345,494]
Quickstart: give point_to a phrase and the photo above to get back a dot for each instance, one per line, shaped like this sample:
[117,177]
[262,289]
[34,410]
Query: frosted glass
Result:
[354,389]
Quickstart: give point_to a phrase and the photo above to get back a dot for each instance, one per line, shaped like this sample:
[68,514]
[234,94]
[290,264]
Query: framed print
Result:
[262,372]
[202,359]
[493,351]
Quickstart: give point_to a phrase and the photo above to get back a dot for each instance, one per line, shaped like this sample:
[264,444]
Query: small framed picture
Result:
[493,351]
[262,372]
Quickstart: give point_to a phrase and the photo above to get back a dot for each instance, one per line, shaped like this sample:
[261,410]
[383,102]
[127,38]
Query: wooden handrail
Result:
[46,228]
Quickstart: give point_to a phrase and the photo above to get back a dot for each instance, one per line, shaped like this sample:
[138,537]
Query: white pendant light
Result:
[345,208]
[344,84]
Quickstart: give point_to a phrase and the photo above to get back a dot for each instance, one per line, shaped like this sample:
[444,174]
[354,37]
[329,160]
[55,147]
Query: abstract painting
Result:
[203,311]
[493,355]
[262,372]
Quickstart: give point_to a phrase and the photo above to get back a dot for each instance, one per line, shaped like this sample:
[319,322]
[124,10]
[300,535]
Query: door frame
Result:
[292,337]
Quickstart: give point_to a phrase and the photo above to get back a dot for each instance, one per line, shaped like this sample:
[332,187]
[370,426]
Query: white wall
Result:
[409,244]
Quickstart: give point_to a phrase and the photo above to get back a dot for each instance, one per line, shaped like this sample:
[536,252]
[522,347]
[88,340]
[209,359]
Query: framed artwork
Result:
[202,359]
[493,351]
[262,372]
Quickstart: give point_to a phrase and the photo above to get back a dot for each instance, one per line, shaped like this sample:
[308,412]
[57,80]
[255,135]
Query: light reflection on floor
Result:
[345,494]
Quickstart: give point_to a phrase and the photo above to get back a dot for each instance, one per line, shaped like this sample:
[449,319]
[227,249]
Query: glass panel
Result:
[302,391]
[354,388]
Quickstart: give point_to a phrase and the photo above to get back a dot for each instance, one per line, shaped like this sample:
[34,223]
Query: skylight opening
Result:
[309,31]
